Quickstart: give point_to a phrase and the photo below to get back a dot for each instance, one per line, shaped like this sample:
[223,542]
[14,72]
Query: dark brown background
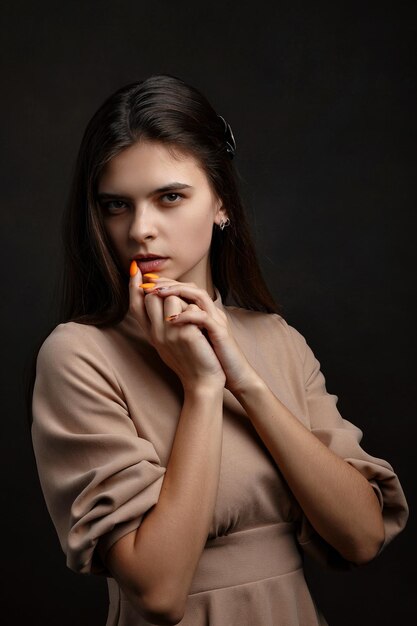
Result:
[321,98]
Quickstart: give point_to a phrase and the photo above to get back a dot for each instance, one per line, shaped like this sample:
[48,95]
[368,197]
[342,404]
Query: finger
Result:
[154,284]
[159,309]
[136,297]
[173,305]
[152,280]
[157,281]
[192,293]
[156,278]
[154,306]
[201,319]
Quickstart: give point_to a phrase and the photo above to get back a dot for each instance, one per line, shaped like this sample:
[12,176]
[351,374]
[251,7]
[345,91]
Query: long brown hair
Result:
[165,109]
[93,288]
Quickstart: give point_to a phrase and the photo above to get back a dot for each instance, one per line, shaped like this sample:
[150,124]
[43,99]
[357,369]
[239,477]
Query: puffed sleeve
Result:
[97,475]
[343,438]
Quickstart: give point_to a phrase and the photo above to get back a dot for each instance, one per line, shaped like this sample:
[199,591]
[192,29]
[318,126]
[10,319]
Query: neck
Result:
[202,280]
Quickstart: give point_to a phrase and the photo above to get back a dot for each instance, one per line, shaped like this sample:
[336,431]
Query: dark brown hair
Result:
[163,108]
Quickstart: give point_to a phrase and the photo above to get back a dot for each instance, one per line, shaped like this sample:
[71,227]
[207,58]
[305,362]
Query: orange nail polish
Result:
[171,317]
[147,285]
[133,268]
[150,275]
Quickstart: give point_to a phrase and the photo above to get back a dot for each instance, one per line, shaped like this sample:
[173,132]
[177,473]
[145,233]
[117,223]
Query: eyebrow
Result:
[169,187]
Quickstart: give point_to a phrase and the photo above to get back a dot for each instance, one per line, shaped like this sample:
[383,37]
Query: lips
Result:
[148,264]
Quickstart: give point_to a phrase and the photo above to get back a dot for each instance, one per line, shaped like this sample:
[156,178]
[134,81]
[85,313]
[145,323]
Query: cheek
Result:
[197,234]
[114,238]
[200,226]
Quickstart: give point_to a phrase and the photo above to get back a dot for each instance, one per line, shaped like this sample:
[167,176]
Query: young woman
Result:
[187,448]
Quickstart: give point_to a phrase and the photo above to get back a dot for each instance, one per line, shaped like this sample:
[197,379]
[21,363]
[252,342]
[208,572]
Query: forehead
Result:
[152,164]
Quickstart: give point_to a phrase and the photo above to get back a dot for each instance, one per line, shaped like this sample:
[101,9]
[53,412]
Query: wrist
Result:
[253,387]
[204,388]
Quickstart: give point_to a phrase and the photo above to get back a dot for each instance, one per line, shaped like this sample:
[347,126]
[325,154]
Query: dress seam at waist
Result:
[251,582]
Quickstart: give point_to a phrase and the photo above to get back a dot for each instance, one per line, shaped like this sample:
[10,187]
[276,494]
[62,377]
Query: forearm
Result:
[338,501]
[172,536]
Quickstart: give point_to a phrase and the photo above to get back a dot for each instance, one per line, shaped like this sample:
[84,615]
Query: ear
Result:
[220,213]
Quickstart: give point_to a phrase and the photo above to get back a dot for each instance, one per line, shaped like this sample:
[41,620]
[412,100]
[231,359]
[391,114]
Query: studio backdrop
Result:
[321,100]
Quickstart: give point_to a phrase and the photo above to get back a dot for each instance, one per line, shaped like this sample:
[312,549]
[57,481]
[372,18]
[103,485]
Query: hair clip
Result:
[230,140]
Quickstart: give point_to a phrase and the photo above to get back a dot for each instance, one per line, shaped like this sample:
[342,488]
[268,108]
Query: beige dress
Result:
[105,410]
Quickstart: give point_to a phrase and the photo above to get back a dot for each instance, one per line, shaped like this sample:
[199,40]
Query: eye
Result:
[113,206]
[170,195]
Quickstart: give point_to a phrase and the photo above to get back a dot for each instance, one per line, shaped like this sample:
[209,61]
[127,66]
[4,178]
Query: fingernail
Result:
[150,275]
[171,317]
[147,285]
[133,268]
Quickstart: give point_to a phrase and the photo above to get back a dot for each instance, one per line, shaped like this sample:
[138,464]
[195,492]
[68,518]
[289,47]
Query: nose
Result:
[142,225]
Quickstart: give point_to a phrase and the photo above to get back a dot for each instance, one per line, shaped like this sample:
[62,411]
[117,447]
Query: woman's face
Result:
[146,212]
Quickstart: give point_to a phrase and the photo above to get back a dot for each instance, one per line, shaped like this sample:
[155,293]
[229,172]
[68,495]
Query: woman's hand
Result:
[183,348]
[203,313]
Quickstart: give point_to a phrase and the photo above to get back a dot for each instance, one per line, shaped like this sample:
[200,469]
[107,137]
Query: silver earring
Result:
[224,223]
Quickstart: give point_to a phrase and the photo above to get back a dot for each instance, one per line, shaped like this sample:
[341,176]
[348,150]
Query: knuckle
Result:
[172,299]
